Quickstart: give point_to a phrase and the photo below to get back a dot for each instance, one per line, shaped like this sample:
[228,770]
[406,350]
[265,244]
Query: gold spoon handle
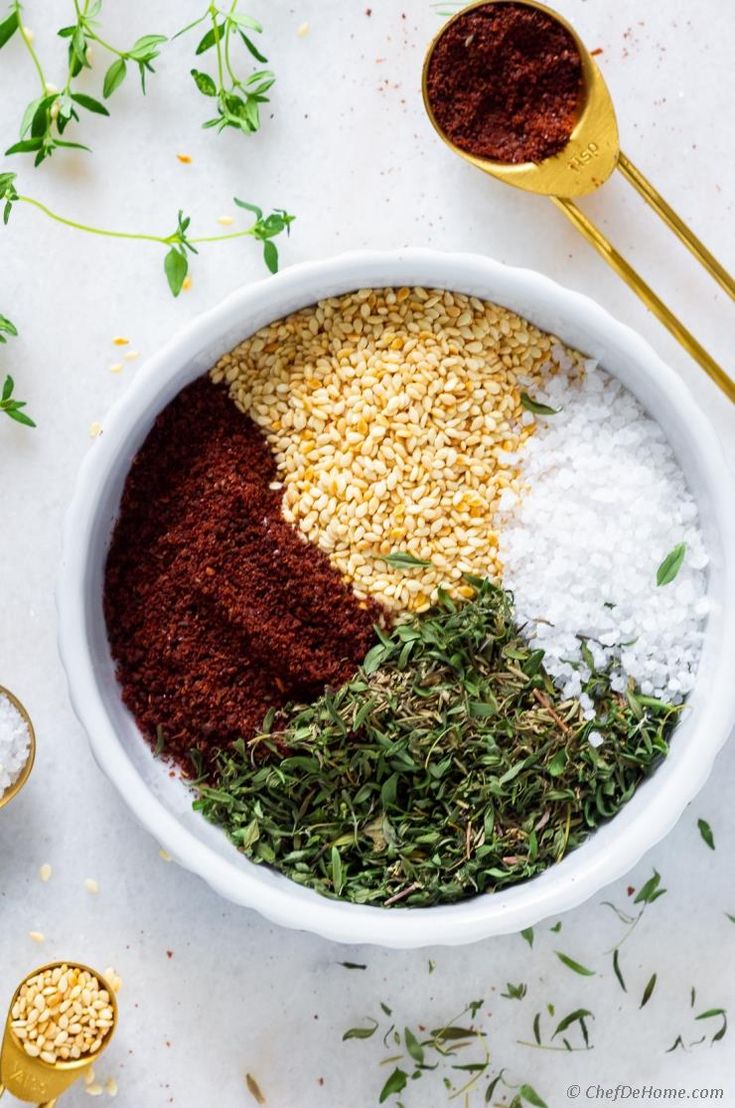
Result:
[642,185]
[647,295]
[46,1103]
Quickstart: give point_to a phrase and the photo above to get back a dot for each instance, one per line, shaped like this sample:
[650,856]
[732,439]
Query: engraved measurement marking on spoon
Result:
[29,1081]
[585,156]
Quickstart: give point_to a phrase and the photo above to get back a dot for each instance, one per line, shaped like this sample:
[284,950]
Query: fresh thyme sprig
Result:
[11,407]
[47,116]
[179,243]
[8,404]
[237,100]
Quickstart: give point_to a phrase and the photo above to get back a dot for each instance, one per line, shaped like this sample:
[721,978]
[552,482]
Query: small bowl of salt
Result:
[17,746]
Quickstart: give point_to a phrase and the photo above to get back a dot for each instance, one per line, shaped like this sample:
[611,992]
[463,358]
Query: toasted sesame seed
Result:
[225,220]
[164,855]
[95,1089]
[187,282]
[303,30]
[392,415]
[131,355]
[185,159]
[37,936]
[111,1086]
[91,885]
[88,1075]
[117,367]
[120,340]
[45,871]
[95,429]
[39,1014]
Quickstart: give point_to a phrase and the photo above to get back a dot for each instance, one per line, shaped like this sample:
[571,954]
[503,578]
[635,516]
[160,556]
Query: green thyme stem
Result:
[103,43]
[82,18]
[562,1049]
[215,31]
[92,230]
[165,240]
[228,63]
[29,45]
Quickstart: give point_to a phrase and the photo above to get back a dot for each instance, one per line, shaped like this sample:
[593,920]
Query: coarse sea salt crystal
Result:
[605,501]
[15,743]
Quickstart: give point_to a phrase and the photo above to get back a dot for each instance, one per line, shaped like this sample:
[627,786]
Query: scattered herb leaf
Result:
[648,991]
[706,832]
[575,966]
[401,560]
[671,564]
[536,407]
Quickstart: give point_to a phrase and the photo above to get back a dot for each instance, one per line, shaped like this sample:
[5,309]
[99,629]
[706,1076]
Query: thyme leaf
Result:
[402,560]
[577,967]
[536,406]
[706,832]
[671,565]
[648,991]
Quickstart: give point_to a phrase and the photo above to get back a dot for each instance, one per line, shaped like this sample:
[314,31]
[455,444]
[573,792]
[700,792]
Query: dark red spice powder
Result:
[216,608]
[504,82]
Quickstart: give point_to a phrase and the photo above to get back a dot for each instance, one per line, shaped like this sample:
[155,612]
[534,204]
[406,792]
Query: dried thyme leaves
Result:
[448,766]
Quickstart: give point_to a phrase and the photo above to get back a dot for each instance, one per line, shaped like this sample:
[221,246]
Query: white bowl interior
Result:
[163,804]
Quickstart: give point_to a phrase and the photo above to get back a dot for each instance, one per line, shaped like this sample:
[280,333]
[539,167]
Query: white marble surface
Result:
[211,991]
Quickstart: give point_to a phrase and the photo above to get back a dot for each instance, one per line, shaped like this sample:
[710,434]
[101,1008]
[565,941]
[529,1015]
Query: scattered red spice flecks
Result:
[217,609]
[504,82]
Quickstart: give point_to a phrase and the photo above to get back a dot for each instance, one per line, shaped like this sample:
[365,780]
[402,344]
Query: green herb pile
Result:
[448,766]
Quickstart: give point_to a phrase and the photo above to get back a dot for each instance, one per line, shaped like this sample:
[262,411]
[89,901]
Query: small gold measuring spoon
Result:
[25,773]
[33,1080]
[586,162]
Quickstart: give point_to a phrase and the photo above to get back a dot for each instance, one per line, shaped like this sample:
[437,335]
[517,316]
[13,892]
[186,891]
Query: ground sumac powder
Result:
[216,608]
[504,82]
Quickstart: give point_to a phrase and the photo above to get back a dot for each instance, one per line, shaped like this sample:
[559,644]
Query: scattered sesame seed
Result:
[91,885]
[95,429]
[303,30]
[225,220]
[164,854]
[88,1075]
[119,340]
[187,282]
[113,979]
[94,1090]
[185,159]
[37,936]
[111,1087]
[131,355]
[45,871]
[116,367]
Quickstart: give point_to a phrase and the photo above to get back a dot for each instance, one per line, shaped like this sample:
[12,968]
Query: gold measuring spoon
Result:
[586,162]
[33,1079]
[25,773]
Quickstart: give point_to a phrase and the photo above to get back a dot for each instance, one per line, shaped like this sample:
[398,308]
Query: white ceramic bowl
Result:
[163,805]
